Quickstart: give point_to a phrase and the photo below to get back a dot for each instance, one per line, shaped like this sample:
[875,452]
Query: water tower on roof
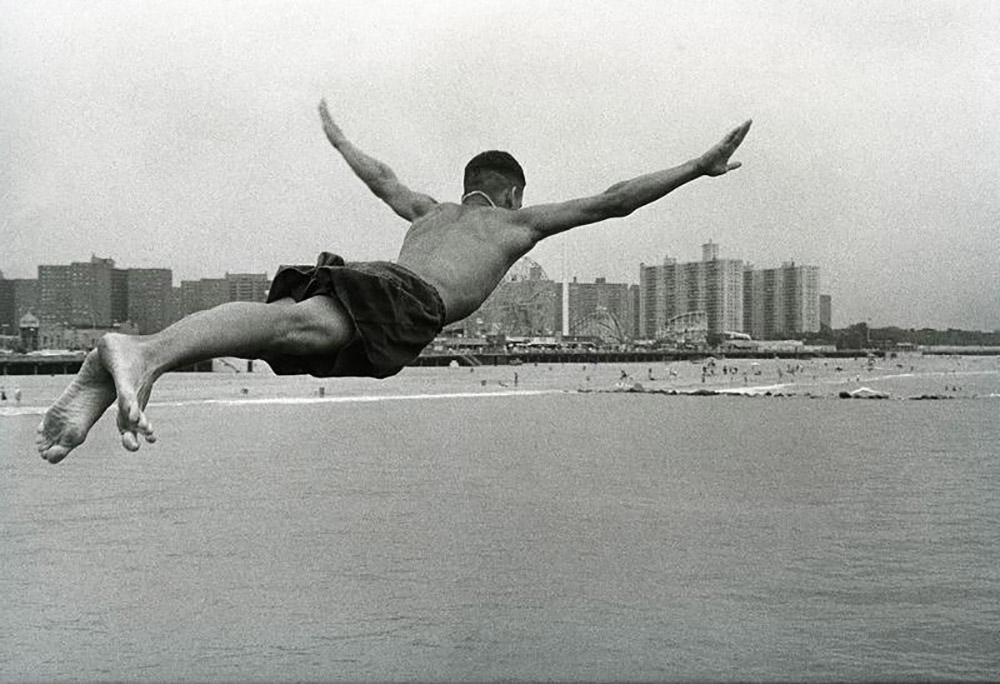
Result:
[710,251]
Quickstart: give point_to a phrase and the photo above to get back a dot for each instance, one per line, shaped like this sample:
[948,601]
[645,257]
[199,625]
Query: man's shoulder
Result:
[451,213]
[439,209]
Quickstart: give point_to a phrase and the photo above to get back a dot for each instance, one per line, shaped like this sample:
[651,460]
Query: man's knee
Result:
[315,325]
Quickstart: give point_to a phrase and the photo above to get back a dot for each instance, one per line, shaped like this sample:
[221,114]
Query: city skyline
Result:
[676,302]
[531,257]
[528,301]
[188,134]
[679,302]
[191,298]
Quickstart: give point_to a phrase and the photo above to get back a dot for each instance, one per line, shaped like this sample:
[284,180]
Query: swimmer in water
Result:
[361,319]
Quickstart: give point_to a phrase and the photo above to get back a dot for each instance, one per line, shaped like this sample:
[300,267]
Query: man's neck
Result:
[477,194]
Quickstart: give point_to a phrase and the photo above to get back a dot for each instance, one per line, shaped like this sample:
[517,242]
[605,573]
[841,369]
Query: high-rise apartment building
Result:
[119,295]
[150,298]
[206,293]
[634,324]
[825,311]
[724,297]
[653,283]
[54,293]
[601,309]
[76,295]
[7,316]
[712,286]
[176,304]
[247,287]
[802,297]
[18,296]
[782,301]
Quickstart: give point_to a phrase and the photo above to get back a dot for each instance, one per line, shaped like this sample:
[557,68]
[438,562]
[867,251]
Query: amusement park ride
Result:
[689,328]
[520,303]
[525,303]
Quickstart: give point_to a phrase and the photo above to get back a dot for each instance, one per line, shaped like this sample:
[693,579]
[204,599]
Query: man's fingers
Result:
[732,166]
[331,128]
[324,113]
[741,132]
[736,136]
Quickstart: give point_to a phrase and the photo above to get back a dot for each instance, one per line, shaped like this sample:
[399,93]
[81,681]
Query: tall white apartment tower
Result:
[781,301]
[712,286]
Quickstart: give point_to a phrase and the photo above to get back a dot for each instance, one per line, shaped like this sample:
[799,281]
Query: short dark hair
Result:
[495,161]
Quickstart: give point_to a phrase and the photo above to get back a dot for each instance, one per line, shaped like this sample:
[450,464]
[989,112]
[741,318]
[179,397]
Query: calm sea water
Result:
[508,536]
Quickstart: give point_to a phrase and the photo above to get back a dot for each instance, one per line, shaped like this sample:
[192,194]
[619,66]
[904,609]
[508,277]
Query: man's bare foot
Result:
[69,419]
[122,357]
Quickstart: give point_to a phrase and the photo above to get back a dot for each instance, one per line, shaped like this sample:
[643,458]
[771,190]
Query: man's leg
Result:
[127,366]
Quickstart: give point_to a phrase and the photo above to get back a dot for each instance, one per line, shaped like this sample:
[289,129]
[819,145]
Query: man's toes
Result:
[55,453]
[130,441]
[143,425]
[146,429]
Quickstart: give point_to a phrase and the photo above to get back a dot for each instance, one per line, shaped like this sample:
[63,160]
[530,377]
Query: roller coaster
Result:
[601,324]
[514,307]
[690,328]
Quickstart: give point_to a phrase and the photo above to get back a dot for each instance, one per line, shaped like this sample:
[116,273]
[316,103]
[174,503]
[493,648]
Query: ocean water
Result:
[449,525]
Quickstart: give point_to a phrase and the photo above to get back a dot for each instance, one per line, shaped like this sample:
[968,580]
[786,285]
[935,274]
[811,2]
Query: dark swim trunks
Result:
[395,312]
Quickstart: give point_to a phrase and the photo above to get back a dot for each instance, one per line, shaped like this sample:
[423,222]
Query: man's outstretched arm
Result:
[379,178]
[621,199]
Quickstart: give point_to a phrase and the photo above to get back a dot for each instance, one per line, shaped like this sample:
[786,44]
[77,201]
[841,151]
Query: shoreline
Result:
[681,380]
[68,363]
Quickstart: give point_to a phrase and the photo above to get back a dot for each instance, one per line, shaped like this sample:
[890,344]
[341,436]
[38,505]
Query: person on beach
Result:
[362,319]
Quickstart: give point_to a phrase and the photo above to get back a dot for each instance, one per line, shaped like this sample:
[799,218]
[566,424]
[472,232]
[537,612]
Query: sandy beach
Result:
[959,377]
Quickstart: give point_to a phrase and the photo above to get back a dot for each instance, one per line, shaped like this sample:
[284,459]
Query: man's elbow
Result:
[616,205]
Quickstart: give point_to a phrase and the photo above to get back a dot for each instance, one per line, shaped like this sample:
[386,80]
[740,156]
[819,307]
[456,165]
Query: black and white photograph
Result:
[381,341]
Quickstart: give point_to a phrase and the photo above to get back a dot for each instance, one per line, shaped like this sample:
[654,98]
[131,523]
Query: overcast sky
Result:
[185,134]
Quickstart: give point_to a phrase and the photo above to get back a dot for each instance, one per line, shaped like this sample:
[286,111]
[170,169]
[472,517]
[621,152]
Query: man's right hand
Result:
[332,130]
[716,162]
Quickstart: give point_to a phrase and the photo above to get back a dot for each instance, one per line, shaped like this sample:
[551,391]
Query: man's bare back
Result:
[458,254]
[464,250]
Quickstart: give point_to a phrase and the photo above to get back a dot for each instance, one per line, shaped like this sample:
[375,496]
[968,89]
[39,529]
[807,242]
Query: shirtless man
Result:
[373,318]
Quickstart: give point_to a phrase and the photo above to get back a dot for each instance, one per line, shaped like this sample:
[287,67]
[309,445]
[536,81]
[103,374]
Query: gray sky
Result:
[185,134]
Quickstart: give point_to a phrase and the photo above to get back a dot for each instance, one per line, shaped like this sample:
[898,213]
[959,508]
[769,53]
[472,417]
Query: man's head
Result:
[498,175]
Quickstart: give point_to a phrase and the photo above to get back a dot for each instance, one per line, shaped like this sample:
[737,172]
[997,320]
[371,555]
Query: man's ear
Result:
[513,201]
